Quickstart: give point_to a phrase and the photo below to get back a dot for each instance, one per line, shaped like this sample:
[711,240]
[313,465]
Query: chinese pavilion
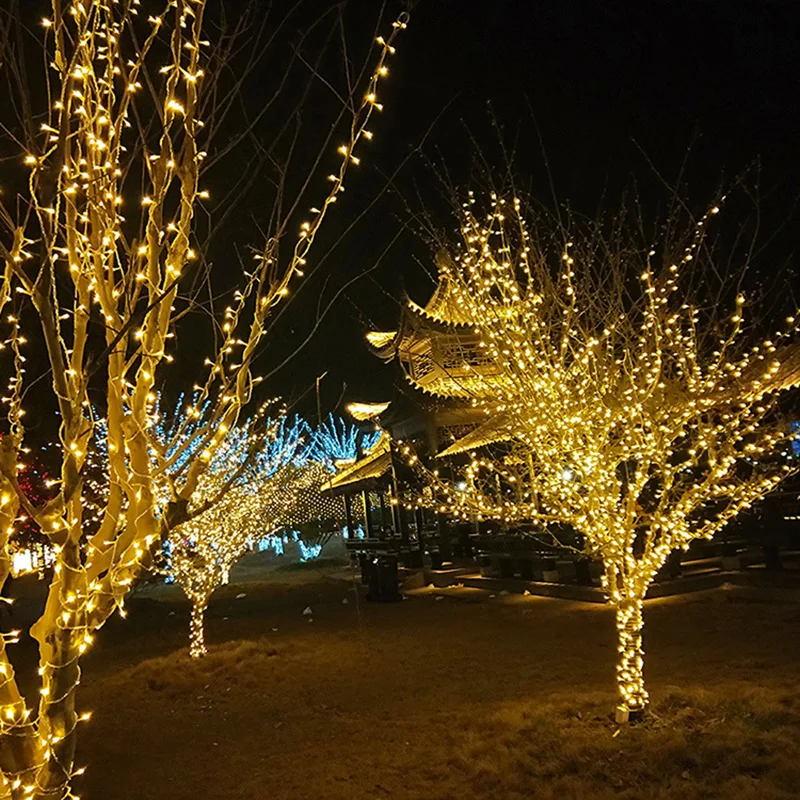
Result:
[442,359]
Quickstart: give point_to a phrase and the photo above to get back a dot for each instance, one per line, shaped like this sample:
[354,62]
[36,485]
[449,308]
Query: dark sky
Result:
[595,88]
[609,84]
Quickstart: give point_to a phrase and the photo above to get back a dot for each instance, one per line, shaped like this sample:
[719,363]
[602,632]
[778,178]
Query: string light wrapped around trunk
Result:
[101,251]
[618,405]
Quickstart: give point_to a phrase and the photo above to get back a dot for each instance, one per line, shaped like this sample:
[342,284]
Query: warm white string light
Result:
[624,414]
[119,265]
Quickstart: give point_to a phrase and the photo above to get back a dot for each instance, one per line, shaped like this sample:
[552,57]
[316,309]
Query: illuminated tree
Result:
[337,440]
[313,516]
[255,485]
[29,546]
[100,249]
[239,498]
[624,398]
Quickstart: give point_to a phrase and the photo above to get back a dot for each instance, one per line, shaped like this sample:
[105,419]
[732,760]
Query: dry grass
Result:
[441,700]
[695,745]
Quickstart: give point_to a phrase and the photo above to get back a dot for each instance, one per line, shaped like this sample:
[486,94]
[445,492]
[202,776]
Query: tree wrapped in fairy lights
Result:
[244,495]
[316,515]
[313,516]
[29,547]
[256,485]
[103,248]
[618,403]
[336,439]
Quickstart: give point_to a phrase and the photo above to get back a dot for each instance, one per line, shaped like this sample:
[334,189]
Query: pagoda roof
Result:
[443,312]
[755,382]
[493,431]
[366,411]
[381,339]
[786,374]
[361,473]
[444,306]
[461,387]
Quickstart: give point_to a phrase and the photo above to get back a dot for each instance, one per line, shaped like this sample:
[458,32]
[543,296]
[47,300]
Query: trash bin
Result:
[506,564]
[485,562]
[772,555]
[550,571]
[436,560]
[675,564]
[731,560]
[526,569]
[383,580]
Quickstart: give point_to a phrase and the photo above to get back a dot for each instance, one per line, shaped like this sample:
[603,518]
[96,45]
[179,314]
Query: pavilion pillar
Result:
[399,511]
[395,509]
[418,519]
[367,517]
[385,524]
[348,515]
[401,516]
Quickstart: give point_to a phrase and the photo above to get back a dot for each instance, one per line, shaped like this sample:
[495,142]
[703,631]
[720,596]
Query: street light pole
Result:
[319,407]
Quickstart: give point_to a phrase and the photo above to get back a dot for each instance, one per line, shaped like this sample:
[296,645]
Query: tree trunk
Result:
[20,754]
[63,635]
[197,643]
[630,681]
[21,760]
[58,718]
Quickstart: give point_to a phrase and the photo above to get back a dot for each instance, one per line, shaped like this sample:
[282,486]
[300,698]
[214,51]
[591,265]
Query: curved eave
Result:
[440,320]
[386,344]
[365,471]
[493,431]
[787,376]
[455,390]
[383,343]
[367,411]
[460,393]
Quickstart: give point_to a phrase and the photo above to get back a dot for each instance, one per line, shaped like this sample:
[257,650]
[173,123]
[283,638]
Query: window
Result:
[457,354]
[422,365]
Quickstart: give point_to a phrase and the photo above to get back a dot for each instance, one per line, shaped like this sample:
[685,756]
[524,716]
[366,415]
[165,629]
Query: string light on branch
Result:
[256,484]
[626,415]
[101,250]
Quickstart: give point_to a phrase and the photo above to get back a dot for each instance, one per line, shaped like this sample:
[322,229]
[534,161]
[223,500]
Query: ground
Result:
[446,695]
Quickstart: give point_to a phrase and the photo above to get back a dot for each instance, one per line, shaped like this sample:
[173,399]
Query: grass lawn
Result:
[460,696]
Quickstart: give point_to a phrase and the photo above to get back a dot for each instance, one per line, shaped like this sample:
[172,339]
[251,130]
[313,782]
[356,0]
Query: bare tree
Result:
[618,402]
[100,252]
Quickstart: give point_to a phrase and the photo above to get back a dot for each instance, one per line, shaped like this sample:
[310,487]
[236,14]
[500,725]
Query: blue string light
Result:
[338,440]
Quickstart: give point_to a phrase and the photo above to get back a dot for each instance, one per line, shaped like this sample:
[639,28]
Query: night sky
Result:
[602,91]
[615,90]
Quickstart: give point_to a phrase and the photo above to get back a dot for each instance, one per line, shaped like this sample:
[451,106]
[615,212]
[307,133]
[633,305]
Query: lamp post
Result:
[319,406]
